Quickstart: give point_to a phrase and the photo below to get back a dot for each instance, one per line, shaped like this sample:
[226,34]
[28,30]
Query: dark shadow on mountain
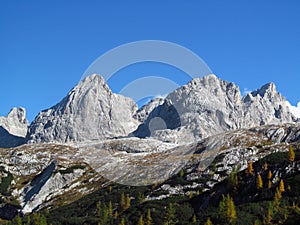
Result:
[165,116]
[8,140]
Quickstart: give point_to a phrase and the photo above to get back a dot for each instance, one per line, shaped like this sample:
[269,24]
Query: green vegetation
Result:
[262,194]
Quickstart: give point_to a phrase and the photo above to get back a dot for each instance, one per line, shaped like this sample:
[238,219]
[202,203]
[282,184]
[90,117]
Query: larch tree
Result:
[149,220]
[208,222]
[141,220]
[122,221]
[122,201]
[170,215]
[127,201]
[250,170]
[281,186]
[270,175]
[110,209]
[227,209]
[259,182]
[266,166]
[291,154]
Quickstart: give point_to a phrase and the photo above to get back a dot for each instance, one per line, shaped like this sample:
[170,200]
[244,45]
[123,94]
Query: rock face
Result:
[13,128]
[207,106]
[90,111]
[203,107]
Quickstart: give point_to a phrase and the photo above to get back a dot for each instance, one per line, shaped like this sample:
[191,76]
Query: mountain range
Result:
[203,107]
[188,142]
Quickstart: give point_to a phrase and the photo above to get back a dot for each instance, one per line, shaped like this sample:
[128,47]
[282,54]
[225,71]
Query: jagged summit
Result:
[13,128]
[203,107]
[15,123]
[90,111]
[267,89]
[209,105]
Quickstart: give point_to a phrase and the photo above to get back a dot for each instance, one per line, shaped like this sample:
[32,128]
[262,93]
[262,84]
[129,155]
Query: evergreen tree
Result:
[181,173]
[270,175]
[170,215]
[269,184]
[127,201]
[98,208]
[141,221]
[208,222]
[18,220]
[122,201]
[149,220]
[227,209]
[250,170]
[194,219]
[104,214]
[291,154]
[277,198]
[281,186]
[259,182]
[269,217]
[116,214]
[266,166]
[122,221]
[110,209]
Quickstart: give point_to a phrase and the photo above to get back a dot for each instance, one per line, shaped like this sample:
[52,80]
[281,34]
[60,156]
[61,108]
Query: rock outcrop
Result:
[207,106]
[89,112]
[13,128]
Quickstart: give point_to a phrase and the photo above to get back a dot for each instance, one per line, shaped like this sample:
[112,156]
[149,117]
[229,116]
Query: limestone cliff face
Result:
[90,111]
[207,106]
[13,128]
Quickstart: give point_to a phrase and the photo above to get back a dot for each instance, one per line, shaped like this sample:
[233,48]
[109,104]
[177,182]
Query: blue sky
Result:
[45,46]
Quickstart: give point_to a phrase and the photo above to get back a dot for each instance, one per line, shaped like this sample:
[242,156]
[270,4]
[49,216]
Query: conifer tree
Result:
[122,201]
[170,215]
[259,182]
[208,222]
[227,209]
[18,220]
[266,166]
[116,214]
[122,221]
[269,216]
[194,219]
[269,184]
[141,220]
[250,170]
[149,220]
[127,201]
[291,154]
[270,175]
[281,186]
[110,209]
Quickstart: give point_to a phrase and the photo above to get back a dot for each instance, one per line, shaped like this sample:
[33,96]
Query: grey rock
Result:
[208,106]
[13,128]
[90,111]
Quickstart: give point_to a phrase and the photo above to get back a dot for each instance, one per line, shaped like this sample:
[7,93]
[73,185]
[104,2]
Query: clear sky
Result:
[45,46]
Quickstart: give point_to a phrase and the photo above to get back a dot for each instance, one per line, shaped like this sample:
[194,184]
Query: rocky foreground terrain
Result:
[94,146]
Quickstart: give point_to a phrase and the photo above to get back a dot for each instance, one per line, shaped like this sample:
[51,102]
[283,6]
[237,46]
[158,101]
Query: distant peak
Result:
[92,77]
[269,88]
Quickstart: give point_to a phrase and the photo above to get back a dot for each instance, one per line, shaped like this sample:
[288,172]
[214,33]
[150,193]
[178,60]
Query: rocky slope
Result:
[36,176]
[13,128]
[208,106]
[90,111]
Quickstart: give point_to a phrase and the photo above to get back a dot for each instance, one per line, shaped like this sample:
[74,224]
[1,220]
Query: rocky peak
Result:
[208,106]
[15,123]
[267,90]
[90,111]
